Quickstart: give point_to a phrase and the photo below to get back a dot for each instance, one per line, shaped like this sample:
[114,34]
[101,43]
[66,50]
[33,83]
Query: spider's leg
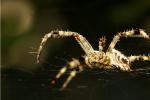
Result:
[139,57]
[72,65]
[137,33]
[86,46]
[61,72]
[44,40]
[76,66]
[130,33]
[71,76]
[113,43]
[102,42]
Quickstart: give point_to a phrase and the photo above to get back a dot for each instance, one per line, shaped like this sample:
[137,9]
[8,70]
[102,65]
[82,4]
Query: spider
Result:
[107,60]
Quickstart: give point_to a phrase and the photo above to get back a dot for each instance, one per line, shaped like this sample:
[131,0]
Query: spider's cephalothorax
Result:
[96,58]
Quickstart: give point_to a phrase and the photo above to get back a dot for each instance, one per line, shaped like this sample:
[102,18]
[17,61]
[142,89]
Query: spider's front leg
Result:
[130,33]
[75,66]
[57,34]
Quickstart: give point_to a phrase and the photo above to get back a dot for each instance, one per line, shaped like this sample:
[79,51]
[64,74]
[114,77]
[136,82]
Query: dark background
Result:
[24,23]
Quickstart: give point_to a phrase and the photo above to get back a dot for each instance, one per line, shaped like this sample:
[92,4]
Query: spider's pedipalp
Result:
[86,46]
[139,57]
[102,42]
[130,33]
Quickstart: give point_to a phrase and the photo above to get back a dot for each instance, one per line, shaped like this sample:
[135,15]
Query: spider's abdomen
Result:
[119,60]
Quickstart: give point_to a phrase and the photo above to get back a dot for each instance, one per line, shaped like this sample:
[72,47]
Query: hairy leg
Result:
[71,76]
[56,34]
[139,57]
[74,66]
[131,33]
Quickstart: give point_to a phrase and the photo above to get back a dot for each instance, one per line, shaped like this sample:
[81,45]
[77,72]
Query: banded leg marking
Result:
[130,33]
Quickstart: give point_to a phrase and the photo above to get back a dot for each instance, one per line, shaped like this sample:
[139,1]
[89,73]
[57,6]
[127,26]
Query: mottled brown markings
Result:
[55,32]
[124,61]
[140,58]
[137,32]
[77,37]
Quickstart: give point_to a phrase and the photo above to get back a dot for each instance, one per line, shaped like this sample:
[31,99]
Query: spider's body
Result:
[110,59]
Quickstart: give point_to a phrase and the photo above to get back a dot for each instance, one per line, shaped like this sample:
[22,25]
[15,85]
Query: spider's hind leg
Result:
[130,33]
[139,58]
